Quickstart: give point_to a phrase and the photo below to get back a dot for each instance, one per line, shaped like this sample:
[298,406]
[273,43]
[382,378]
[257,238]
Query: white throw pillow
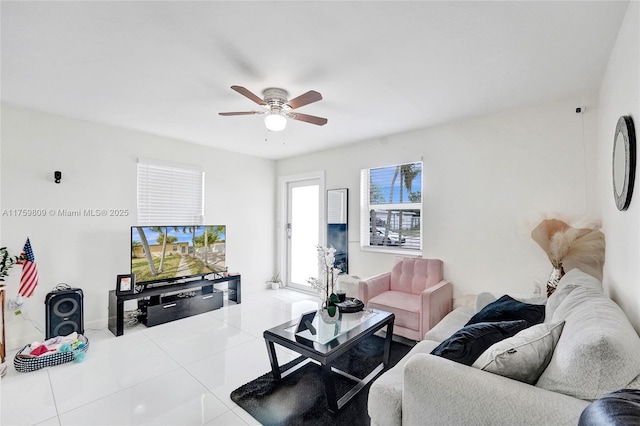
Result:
[524,356]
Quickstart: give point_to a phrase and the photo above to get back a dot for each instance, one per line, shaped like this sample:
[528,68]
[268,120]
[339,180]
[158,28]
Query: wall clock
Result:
[624,162]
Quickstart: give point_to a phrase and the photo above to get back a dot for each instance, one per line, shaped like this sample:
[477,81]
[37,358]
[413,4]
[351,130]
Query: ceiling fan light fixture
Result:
[275,122]
[278,107]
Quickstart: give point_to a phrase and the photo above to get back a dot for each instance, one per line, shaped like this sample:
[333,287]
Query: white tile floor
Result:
[179,373]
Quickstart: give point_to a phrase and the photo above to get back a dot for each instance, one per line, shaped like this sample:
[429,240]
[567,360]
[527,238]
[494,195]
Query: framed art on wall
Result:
[125,284]
[337,226]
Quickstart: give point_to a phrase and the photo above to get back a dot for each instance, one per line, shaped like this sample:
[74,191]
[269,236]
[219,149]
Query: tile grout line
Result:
[53,394]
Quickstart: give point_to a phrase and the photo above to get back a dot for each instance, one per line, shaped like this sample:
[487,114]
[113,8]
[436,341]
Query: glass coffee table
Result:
[324,342]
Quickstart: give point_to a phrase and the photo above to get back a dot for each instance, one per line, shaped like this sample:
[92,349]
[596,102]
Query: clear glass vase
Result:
[325,313]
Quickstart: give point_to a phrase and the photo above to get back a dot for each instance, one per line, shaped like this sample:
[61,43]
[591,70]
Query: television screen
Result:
[164,253]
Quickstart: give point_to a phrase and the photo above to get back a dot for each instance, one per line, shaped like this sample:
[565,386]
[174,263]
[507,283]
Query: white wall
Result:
[487,182]
[620,95]
[98,165]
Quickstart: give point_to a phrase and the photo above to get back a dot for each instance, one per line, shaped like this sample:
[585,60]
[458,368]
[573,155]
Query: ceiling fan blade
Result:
[308,118]
[305,99]
[240,113]
[247,93]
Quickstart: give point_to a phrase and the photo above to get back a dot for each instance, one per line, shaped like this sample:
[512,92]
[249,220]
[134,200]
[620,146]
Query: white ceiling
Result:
[165,67]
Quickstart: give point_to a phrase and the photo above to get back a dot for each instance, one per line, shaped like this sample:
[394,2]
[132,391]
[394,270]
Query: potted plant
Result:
[326,282]
[6,262]
[275,281]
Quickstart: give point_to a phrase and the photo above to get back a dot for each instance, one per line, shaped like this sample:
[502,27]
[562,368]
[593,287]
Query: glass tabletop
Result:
[327,330]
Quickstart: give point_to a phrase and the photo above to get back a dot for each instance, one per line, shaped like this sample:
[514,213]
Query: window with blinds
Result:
[170,194]
[391,208]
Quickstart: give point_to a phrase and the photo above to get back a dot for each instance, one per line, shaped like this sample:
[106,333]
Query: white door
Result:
[303,231]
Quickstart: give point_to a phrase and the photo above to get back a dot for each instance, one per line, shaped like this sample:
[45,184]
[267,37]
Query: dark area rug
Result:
[299,398]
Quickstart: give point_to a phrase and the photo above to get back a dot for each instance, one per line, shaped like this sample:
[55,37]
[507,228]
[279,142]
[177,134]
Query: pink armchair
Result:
[414,291]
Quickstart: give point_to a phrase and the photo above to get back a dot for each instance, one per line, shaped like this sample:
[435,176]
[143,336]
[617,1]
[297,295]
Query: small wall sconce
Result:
[57,176]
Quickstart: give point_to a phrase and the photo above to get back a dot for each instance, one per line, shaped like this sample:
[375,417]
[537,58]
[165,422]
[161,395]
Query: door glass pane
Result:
[305,212]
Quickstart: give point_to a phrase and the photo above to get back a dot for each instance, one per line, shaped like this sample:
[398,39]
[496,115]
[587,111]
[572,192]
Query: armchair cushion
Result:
[405,306]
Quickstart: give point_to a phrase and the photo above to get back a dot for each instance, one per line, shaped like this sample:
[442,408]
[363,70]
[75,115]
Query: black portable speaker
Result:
[64,312]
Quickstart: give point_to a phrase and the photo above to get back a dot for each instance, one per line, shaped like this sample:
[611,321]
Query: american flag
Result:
[29,279]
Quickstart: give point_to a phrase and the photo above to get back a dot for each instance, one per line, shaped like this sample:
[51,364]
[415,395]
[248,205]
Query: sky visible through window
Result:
[381,179]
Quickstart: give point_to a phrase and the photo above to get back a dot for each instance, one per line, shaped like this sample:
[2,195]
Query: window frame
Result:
[366,206]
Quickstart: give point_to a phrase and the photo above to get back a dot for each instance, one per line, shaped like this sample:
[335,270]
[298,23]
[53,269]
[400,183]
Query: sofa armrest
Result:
[437,302]
[373,286]
[442,392]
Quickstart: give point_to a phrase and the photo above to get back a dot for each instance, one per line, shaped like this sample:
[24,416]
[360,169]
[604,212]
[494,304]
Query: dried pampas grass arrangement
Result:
[570,248]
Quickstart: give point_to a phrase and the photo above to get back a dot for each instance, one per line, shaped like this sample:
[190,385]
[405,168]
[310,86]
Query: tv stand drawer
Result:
[166,311]
[170,308]
[205,302]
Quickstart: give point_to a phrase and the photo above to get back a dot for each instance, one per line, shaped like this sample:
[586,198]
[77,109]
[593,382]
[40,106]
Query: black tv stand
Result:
[164,303]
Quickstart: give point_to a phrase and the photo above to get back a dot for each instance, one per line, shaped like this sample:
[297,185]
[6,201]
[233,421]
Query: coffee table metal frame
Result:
[325,354]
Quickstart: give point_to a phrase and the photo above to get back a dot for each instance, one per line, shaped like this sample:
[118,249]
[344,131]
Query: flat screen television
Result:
[171,253]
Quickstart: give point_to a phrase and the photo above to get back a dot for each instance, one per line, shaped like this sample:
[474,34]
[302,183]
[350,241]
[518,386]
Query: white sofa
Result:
[597,352]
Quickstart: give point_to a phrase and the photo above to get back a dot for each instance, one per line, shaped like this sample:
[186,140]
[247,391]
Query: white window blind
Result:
[391,208]
[169,194]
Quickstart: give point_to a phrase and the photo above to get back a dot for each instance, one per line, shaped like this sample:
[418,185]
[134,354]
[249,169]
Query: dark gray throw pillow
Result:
[509,309]
[468,343]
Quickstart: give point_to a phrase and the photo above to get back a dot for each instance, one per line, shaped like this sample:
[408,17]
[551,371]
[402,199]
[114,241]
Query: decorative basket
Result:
[26,364]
